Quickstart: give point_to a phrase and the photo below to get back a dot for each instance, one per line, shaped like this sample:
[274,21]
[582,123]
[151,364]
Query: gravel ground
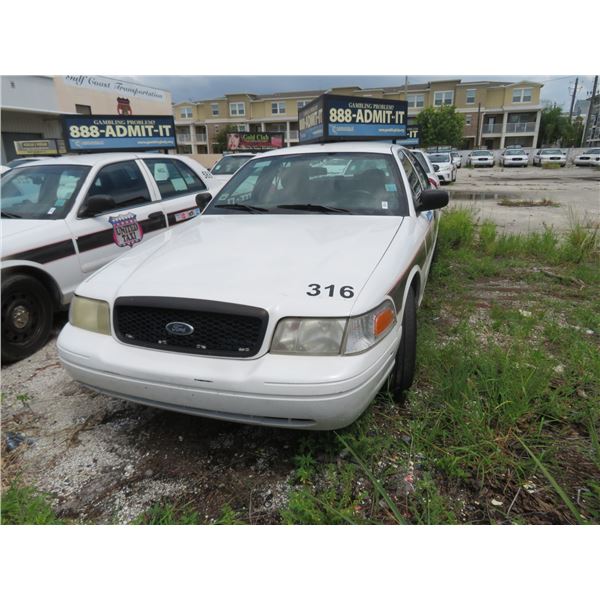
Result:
[107,461]
[576,190]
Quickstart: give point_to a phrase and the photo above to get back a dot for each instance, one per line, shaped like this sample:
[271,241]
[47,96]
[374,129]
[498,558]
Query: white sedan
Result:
[480,158]
[514,158]
[224,169]
[590,157]
[446,169]
[289,302]
[549,155]
[63,218]
[429,168]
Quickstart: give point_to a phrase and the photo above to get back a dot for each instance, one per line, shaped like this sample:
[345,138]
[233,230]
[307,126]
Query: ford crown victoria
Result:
[63,218]
[514,157]
[549,155]
[589,158]
[226,166]
[289,302]
[446,171]
[480,158]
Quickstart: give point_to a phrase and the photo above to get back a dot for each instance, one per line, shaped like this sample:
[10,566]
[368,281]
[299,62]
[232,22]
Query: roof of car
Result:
[99,158]
[374,147]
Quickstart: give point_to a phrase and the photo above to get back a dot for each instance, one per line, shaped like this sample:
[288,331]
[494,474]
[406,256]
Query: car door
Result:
[177,186]
[135,216]
[426,222]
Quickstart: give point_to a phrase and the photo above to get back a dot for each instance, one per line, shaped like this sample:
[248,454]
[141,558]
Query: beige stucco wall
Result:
[105,102]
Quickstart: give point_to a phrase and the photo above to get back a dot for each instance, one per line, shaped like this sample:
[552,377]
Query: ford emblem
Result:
[179,328]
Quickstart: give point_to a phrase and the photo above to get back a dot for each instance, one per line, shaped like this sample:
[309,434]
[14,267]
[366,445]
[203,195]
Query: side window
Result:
[414,180]
[122,181]
[173,177]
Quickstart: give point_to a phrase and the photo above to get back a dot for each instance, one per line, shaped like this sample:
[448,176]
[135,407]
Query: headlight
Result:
[90,314]
[365,331]
[325,337]
[308,336]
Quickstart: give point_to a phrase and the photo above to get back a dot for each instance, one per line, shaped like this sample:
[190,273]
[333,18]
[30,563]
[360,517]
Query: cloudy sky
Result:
[557,88]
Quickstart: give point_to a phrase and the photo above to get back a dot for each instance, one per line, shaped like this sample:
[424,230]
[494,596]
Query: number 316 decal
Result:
[346,291]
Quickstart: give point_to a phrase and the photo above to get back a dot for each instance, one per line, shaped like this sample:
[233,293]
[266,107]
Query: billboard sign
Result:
[332,118]
[36,148]
[413,137]
[254,141]
[99,133]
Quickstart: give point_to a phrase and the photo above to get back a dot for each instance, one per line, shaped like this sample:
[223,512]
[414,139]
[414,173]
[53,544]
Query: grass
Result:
[24,505]
[505,402]
[527,203]
[549,165]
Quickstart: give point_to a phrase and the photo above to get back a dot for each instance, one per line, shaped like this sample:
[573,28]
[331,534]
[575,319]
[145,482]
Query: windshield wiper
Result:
[314,208]
[8,215]
[246,207]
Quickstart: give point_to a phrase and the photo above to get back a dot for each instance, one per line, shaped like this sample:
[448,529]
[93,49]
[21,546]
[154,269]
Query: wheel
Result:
[404,369]
[454,177]
[26,316]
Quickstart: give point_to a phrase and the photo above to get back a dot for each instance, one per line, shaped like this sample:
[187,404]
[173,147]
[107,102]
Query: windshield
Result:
[369,185]
[439,158]
[228,165]
[593,151]
[552,151]
[41,191]
[482,153]
[515,152]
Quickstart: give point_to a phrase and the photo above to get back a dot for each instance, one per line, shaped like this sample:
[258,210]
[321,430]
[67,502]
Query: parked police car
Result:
[288,303]
[227,165]
[63,218]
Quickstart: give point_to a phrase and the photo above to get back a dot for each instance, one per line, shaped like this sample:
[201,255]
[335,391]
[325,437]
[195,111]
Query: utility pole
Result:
[573,99]
[589,115]
[478,136]
[406,87]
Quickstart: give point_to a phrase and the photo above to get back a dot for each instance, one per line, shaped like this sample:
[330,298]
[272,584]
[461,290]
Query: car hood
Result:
[267,261]
[444,165]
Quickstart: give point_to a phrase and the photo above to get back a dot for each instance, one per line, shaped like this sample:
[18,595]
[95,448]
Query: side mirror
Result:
[202,200]
[431,200]
[436,168]
[95,205]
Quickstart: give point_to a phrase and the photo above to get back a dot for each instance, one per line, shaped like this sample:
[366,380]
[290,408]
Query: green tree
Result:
[555,128]
[441,126]
[220,143]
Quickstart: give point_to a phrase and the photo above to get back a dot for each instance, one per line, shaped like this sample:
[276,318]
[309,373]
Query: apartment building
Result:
[496,113]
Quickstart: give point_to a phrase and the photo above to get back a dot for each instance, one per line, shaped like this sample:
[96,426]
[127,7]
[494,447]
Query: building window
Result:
[83,109]
[237,109]
[521,95]
[240,127]
[441,98]
[186,113]
[277,108]
[302,103]
[416,100]
[471,96]
[214,109]
[468,120]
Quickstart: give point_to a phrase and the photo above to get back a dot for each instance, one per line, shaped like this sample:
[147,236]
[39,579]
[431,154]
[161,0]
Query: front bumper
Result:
[483,163]
[586,162]
[444,175]
[515,163]
[299,392]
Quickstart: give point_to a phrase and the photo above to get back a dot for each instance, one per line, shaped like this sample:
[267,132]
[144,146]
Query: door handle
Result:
[159,214]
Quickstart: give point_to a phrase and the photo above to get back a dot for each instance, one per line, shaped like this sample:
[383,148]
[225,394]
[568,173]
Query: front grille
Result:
[219,328]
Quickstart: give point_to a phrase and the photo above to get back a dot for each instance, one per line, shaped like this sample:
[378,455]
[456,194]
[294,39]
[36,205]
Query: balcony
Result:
[491,128]
[184,138]
[293,137]
[520,127]
[200,138]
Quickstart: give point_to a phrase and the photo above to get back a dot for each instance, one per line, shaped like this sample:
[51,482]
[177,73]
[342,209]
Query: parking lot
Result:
[104,460]
[556,197]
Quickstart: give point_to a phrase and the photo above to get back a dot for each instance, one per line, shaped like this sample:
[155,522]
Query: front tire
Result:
[404,369]
[27,313]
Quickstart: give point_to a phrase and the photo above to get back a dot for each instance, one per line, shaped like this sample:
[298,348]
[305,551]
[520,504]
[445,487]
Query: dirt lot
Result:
[103,460]
[575,191]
